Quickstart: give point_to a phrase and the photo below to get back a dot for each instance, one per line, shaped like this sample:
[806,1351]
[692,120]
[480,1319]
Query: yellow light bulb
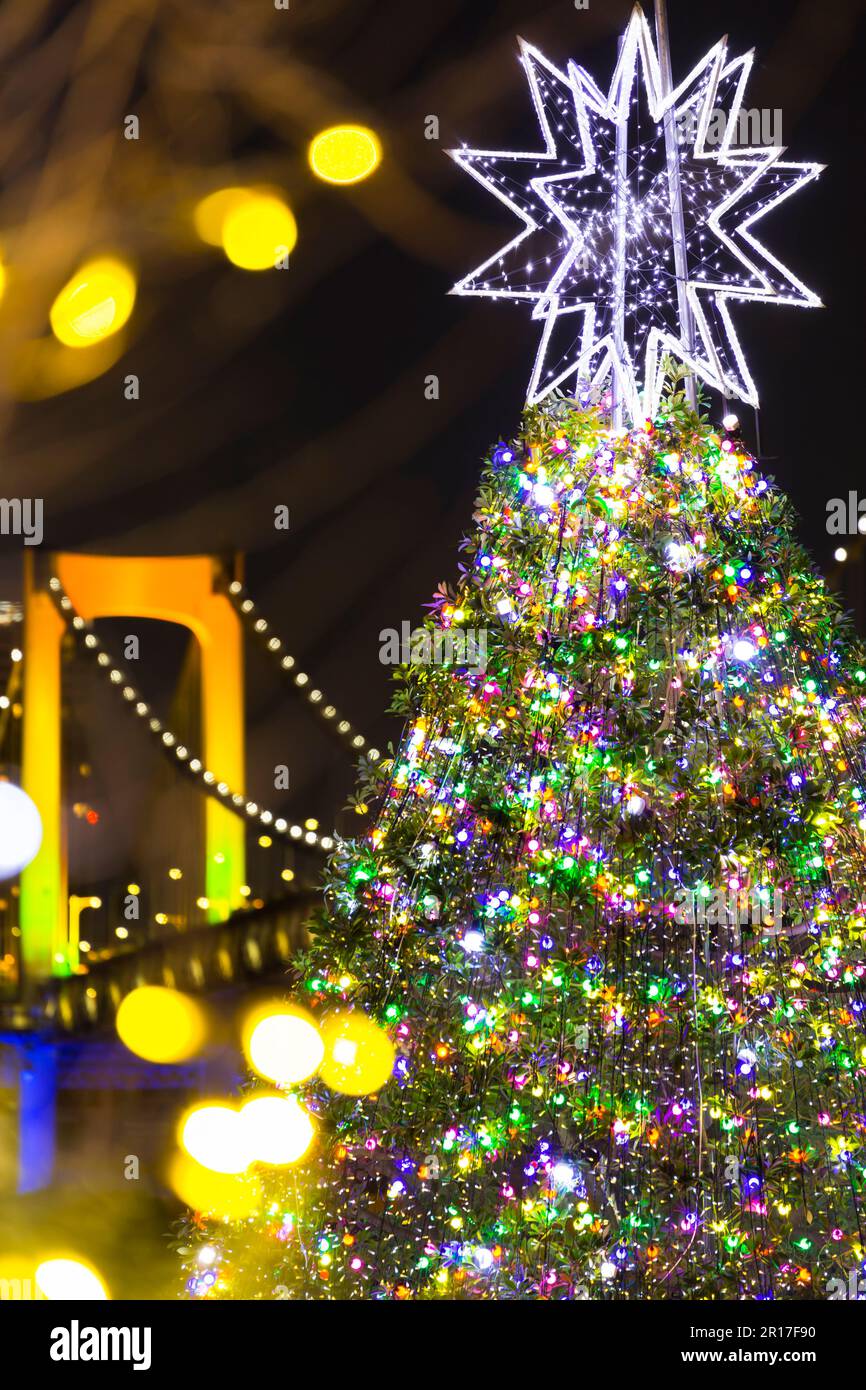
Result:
[95,303]
[259,232]
[345,154]
[161,1025]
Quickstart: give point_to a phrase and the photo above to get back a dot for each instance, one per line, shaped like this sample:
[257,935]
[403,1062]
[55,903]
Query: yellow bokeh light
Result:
[161,1025]
[69,1281]
[210,214]
[17,1278]
[214,1136]
[277,1129]
[95,303]
[223,1196]
[359,1055]
[259,232]
[285,1046]
[345,154]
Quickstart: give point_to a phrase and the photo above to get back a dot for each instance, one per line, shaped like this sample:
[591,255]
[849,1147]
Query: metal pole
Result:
[676,193]
[620,208]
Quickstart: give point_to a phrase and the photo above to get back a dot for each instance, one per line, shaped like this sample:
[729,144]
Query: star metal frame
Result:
[599,227]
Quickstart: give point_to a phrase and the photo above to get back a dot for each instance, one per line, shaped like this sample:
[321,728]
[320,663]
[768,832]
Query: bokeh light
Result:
[214,1136]
[258,231]
[95,303]
[69,1281]
[20,830]
[17,1277]
[222,1196]
[359,1055]
[210,213]
[161,1025]
[345,154]
[284,1046]
[276,1129]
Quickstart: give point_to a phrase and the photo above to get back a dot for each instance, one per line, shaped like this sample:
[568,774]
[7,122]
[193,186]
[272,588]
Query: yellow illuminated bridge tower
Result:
[190,591]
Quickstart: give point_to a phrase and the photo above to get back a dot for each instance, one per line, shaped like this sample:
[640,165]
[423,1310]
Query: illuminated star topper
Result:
[638,223]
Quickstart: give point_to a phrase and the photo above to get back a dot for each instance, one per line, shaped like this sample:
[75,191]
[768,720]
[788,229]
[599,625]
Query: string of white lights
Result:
[172,746]
[262,629]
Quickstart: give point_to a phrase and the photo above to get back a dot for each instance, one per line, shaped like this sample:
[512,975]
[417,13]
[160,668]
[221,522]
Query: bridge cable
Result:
[250,615]
[172,747]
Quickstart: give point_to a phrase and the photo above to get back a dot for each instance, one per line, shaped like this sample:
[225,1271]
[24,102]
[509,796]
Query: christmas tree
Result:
[611,908]
[611,911]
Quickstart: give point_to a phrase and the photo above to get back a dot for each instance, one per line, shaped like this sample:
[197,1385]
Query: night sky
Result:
[306,387]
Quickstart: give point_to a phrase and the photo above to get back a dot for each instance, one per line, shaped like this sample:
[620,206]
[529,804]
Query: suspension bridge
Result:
[218,896]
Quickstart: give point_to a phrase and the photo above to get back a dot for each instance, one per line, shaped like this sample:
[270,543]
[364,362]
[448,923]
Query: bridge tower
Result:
[191,591]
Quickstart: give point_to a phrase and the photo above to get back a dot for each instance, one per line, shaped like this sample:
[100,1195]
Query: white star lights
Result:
[596,254]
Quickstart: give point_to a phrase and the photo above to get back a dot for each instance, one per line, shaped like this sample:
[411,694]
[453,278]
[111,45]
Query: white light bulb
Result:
[563,1175]
[473,942]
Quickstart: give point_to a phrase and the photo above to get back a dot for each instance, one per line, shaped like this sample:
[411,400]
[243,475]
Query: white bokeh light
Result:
[20,830]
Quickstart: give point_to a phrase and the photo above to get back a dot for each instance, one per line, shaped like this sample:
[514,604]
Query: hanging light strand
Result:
[172,746]
[248,611]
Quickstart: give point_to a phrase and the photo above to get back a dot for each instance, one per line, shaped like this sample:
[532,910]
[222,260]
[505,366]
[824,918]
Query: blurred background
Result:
[218,397]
